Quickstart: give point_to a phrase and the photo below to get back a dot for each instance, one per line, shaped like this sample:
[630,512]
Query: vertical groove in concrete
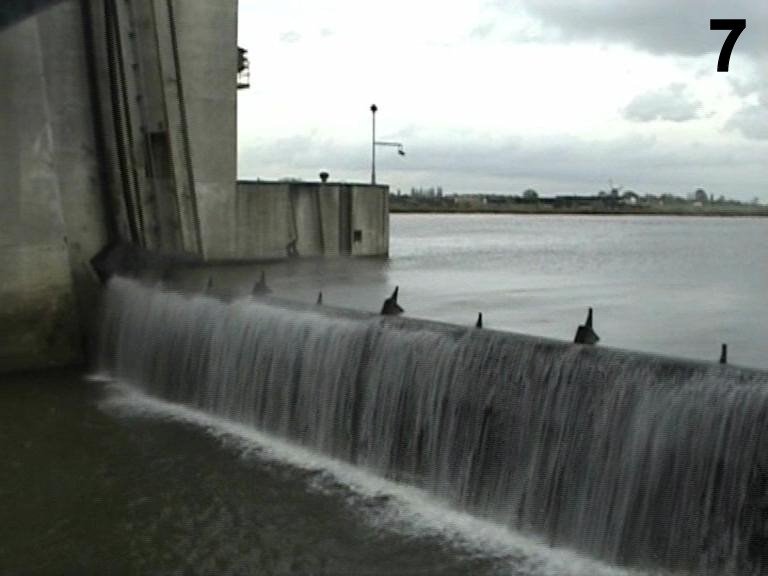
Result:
[320,218]
[188,204]
[120,114]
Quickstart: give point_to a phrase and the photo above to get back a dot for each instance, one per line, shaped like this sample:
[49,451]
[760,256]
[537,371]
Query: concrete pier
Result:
[314,218]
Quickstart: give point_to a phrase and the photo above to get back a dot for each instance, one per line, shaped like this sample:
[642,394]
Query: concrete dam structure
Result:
[639,460]
[311,219]
[118,125]
[118,132]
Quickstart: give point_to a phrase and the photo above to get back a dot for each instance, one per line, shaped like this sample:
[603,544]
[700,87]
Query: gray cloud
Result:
[673,28]
[670,103]
[657,26]
[751,121]
[745,88]
[565,166]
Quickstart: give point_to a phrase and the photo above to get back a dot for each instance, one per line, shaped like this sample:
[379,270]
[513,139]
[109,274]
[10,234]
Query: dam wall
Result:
[207,43]
[279,219]
[165,74]
[53,217]
[118,124]
[636,459]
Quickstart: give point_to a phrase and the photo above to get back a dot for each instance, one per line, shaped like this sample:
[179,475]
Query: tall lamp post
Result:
[375,143]
[374,108]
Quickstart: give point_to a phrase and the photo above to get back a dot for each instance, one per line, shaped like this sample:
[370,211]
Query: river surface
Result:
[677,286]
[97,478]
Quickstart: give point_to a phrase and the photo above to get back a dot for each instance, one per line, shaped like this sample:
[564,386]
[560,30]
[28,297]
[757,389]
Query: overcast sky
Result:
[503,95]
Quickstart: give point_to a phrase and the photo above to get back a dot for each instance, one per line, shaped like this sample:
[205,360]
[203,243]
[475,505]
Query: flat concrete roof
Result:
[312,182]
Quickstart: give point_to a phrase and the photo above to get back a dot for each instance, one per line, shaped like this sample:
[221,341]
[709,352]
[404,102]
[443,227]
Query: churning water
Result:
[632,459]
[467,545]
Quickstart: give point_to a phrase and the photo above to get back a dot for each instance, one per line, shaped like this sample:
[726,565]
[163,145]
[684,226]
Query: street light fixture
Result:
[397,145]
[375,143]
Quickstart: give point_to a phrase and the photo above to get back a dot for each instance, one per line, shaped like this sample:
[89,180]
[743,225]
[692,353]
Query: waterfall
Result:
[635,459]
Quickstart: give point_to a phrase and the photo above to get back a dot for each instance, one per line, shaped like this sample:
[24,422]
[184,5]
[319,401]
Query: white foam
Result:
[404,508]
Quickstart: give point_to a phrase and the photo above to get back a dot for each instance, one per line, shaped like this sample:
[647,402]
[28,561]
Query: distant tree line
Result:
[615,194]
[615,198]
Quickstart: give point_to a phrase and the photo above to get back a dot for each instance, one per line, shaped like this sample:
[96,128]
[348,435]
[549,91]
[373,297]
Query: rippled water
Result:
[669,285]
[677,286]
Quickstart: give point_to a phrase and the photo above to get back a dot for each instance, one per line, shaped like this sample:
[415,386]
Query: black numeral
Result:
[736,27]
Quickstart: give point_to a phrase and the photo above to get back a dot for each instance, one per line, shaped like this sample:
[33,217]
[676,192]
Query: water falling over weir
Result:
[631,458]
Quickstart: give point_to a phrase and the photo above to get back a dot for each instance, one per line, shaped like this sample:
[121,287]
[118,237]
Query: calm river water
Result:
[99,479]
[678,286]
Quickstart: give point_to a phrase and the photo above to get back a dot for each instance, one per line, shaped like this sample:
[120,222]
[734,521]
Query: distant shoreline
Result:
[758,211]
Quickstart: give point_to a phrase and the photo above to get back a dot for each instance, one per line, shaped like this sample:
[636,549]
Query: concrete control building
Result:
[118,124]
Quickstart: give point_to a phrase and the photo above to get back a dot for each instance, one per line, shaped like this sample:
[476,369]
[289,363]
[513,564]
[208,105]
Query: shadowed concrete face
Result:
[13,11]
[120,258]
[51,204]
